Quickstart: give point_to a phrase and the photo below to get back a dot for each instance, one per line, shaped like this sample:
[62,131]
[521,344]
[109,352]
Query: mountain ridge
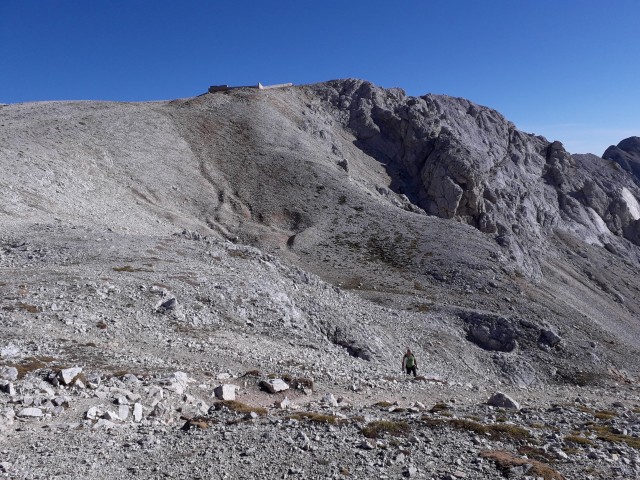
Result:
[403,200]
[164,266]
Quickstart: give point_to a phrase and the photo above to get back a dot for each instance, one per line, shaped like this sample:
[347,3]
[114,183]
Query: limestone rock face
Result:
[455,159]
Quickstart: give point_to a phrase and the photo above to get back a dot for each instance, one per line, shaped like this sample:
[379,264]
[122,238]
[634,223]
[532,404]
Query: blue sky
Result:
[565,69]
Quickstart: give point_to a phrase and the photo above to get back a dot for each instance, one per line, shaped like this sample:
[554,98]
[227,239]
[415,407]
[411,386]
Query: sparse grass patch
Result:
[605,415]
[31,364]
[239,407]
[28,308]
[505,460]
[584,408]
[421,307]
[381,427]
[584,379]
[197,422]
[578,440]
[497,431]
[22,306]
[535,453]
[606,434]
[317,418]
[506,430]
[239,254]
[440,407]
[129,268]
[298,382]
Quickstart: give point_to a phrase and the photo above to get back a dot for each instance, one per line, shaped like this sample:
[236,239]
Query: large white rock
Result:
[8,373]
[103,424]
[111,416]
[275,385]
[93,413]
[176,387]
[66,375]
[225,391]
[178,382]
[46,388]
[137,412]
[502,400]
[330,400]
[123,412]
[30,412]
[181,377]
[9,351]
[284,403]
[155,395]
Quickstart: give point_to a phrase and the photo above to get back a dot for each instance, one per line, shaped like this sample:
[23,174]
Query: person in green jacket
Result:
[409,363]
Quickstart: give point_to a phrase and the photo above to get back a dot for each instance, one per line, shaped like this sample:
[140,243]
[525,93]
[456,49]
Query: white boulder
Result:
[137,412]
[31,412]
[225,392]
[275,385]
[67,375]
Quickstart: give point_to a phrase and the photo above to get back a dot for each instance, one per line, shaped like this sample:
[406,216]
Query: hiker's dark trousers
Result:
[412,370]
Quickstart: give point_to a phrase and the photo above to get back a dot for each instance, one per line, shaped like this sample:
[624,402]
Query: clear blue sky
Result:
[565,69]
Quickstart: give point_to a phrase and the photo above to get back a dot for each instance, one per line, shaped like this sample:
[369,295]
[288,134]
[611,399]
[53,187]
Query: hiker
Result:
[409,363]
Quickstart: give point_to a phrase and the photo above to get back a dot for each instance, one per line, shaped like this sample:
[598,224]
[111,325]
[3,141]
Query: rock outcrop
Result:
[455,159]
[626,154]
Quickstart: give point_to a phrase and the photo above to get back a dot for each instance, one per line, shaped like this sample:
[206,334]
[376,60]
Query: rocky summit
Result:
[224,287]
